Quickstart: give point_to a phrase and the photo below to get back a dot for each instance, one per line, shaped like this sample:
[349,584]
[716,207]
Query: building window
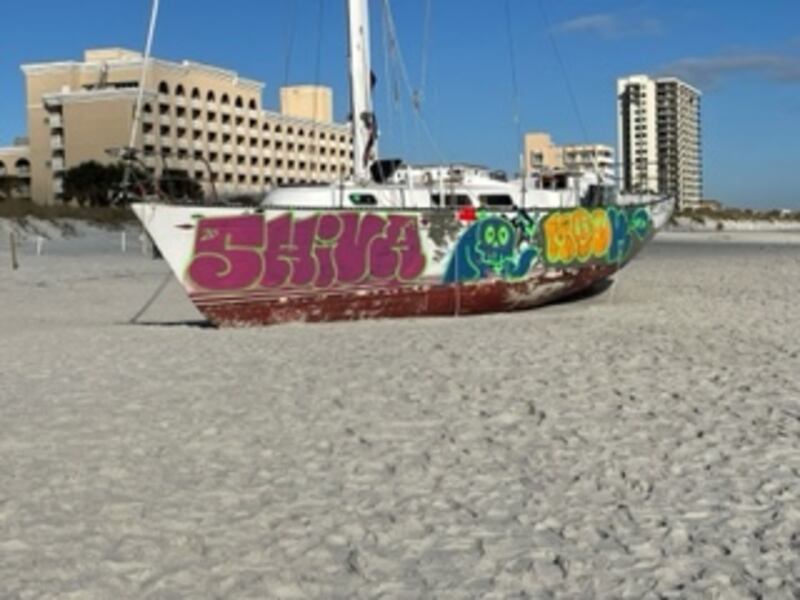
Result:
[22,166]
[164,130]
[210,97]
[179,91]
[225,99]
[239,103]
[195,94]
[163,88]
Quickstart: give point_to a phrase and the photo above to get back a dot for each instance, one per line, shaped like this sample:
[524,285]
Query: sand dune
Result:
[644,442]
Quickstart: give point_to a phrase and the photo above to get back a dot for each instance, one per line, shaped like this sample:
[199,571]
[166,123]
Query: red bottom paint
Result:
[251,308]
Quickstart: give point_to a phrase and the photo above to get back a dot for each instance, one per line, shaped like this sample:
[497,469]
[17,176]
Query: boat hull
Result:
[252,309]
[248,268]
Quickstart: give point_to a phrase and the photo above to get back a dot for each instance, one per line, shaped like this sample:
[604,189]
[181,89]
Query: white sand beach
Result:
[639,443]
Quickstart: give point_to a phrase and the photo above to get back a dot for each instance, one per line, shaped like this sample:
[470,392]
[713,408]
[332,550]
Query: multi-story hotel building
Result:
[658,130]
[542,155]
[15,170]
[203,120]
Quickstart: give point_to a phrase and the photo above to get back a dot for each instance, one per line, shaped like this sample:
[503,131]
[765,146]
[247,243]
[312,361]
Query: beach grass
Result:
[23,211]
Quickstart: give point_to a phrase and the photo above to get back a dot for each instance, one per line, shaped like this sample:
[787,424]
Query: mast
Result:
[364,125]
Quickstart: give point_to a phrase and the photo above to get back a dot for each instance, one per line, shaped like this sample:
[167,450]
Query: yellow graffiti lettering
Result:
[577,235]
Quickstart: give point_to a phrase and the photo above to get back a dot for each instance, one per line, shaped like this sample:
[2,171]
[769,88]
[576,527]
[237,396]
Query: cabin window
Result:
[451,200]
[496,200]
[363,199]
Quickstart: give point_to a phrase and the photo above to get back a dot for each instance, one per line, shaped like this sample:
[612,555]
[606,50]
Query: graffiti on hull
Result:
[322,251]
[604,235]
[500,246]
[493,246]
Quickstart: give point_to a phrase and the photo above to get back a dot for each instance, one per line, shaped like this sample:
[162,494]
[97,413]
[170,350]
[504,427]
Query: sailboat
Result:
[396,240]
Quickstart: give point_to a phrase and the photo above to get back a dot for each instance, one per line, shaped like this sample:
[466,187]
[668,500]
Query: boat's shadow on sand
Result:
[193,323]
[594,290]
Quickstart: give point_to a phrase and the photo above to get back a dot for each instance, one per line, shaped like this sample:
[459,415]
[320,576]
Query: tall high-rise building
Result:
[205,121]
[658,132]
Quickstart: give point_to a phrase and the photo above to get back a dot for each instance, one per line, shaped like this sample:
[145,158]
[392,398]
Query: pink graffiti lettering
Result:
[227,253]
[321,251]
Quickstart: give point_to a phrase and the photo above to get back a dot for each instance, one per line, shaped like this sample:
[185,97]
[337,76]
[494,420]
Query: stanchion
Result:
[13,240]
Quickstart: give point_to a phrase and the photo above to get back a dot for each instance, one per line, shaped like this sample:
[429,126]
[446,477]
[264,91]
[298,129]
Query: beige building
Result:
[658,130]
[15,171]
[203,120]
[541,154]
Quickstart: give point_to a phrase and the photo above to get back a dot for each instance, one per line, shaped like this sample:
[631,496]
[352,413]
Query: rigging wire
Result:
[289,41]
[137,111]
[401,67]
[423,69]
[515,87]
[564,74]
[312,164]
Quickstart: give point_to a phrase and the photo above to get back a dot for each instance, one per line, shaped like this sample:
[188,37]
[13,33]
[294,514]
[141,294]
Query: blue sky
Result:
[744,56]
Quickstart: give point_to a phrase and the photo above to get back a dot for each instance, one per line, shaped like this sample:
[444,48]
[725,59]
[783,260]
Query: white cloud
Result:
[709,71]
[609,25]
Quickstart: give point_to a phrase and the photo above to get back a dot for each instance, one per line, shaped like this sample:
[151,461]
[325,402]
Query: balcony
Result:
[197,144]
[55,121]
[183,144]
[180,101]
[226,129]
[180,122]
[227,148]
[58,185]
[57,143]
[196,104]
[165,120]
[149,139]
[211,106]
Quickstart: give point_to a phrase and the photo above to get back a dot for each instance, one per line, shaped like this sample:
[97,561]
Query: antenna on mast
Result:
[365,127]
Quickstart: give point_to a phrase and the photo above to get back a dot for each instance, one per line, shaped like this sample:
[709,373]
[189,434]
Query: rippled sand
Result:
[643,442]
